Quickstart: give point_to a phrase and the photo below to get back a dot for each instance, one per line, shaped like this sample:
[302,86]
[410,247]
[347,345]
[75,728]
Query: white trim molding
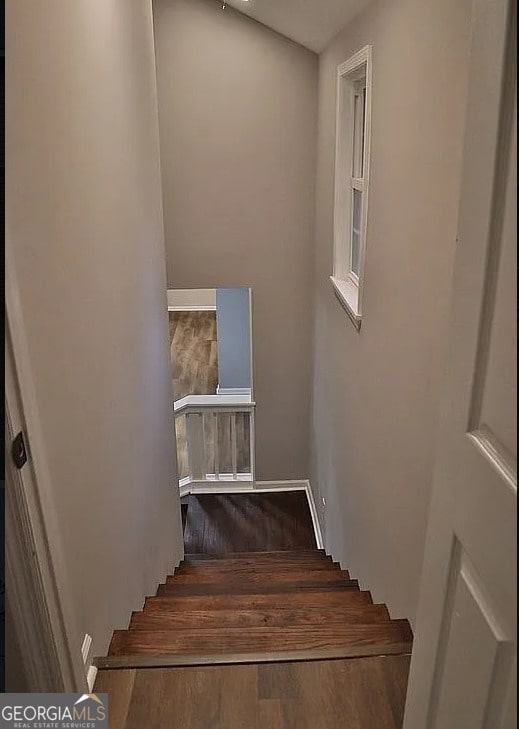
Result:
[352,172]
[191,299]
[191,308]
[91,676]
[90,669]
[195,403]
[348,296]
[222,487]
[243,391]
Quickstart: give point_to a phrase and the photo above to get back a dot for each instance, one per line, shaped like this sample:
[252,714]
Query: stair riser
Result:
[241,566]
[258,578]
[271,556]
[241,588]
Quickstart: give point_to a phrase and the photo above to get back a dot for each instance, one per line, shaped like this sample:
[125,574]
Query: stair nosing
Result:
[200,659]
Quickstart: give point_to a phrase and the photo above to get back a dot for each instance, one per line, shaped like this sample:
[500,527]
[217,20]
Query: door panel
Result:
[463,667]
[473,635]
[498,413]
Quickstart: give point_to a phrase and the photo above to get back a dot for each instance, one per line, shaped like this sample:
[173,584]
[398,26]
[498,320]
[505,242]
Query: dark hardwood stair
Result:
[269,639]
[235,567]
[282,555]
[302,598]
[253,577]
[167,619]
[253,588]
[285,605]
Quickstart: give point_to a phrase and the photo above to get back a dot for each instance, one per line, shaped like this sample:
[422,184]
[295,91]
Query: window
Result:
[351,180]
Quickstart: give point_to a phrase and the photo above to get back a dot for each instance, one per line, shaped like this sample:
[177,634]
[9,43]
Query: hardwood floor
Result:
[365,693]
[194,368]
[194,353]
[221,523]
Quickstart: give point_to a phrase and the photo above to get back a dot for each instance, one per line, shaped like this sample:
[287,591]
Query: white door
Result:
[463,668]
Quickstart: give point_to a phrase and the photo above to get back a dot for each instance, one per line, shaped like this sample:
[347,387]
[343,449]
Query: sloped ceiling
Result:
[312,23]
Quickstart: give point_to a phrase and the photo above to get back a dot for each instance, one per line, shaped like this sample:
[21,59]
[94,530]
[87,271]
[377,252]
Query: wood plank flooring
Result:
[222,523]
[365,693]
[194,353]
[194,369]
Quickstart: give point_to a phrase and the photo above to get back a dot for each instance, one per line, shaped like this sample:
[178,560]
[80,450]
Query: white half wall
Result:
[191,299]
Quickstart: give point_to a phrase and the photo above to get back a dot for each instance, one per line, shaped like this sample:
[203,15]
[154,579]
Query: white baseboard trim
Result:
[91,677]
[191,299]
[245,391]
[86,648]
[187,487]
[315,516]
[86,654]
[192,308]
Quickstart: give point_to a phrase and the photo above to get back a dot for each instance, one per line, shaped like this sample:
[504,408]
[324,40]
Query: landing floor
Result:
[219,523]
[364,693]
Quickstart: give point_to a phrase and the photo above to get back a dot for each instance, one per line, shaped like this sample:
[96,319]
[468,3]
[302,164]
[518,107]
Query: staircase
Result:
[257,606]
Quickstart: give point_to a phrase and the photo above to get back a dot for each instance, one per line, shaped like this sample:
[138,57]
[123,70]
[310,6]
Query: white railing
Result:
[216,444]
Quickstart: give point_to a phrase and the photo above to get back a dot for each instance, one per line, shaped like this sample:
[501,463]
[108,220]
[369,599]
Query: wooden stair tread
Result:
[261,565]
[307,599]
[240,588]
[251,576]
[166,618]
[234,640]
[169,660]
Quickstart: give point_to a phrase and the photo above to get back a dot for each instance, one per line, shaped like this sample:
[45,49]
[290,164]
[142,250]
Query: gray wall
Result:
[233,327]
[84,217]
[376,392]
[237,112]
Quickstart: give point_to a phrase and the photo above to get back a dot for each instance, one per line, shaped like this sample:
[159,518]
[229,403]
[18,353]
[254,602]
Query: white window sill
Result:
[348,295]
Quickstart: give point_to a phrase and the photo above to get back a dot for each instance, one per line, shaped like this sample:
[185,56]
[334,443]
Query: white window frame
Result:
[347,285]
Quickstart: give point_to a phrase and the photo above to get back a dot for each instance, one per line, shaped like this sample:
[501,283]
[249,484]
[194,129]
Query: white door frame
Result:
[36,579]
